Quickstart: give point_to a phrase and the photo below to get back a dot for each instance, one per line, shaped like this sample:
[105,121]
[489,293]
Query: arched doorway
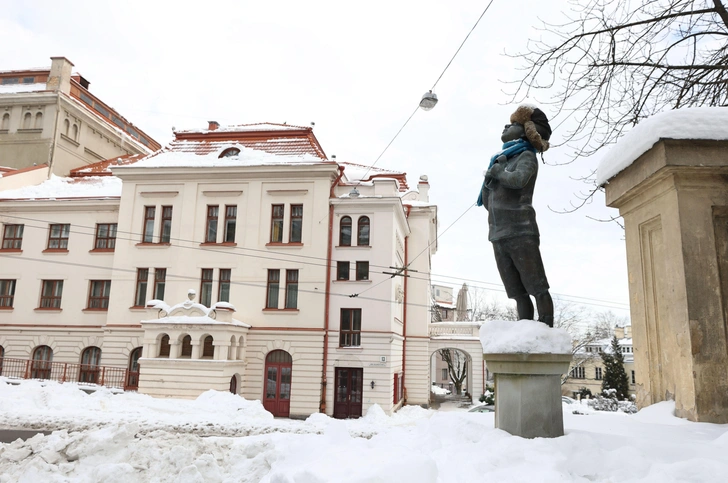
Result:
[278,365]
[234,384]
[132,375]
[89,370]
[42,361]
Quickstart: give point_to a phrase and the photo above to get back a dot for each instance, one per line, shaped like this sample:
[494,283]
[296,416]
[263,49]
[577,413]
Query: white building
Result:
[312,255]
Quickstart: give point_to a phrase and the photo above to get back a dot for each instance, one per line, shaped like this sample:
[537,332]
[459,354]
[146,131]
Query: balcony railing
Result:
[458,329]
[112,377]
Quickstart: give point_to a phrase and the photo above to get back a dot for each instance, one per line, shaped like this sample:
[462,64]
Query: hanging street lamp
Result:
[428,101]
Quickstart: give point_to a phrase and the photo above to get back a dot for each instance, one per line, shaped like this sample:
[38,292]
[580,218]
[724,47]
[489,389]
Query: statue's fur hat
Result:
[536,125]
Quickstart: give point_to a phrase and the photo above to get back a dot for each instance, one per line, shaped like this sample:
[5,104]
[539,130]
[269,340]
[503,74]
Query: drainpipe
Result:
[408,208]
[327,296]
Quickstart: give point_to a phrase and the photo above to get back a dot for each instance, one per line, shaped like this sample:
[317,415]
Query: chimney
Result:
[424,188]
[60,76]
[619,332]
[212,125]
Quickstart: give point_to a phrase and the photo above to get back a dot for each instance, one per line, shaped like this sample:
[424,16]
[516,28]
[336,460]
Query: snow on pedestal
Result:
[527,359]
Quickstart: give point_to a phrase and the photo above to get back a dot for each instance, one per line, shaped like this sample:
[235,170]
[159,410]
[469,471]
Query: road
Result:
[10,435]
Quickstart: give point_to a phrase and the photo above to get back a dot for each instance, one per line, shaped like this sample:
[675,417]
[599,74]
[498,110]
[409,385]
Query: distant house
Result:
[49,116]
[236,258]
[587,368]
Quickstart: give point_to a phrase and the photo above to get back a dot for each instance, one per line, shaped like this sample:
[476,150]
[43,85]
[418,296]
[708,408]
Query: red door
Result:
[348,396]
[277,399]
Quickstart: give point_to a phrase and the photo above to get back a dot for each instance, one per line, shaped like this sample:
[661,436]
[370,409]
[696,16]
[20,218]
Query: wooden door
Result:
[348,392]
[278,368]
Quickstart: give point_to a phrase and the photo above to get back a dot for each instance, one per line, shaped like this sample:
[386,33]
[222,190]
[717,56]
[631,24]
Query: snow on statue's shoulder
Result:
[523,336]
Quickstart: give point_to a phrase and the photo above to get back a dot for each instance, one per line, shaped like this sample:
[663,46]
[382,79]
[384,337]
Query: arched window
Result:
[42,362]
[132,377]
[27,119]
[362,234]
[234,384]
[345,232]
[66,126]
[208,349]
[89,371]
[74,132]
[186,346]
[232,351]
[6,121]
[229,152]
[164,346]
[38,120]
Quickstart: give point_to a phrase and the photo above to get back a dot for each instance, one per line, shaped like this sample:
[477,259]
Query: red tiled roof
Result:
[102,167]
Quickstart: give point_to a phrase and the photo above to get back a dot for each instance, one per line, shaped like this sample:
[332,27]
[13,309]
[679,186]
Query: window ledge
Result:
[351,348]
[353,246]
[11,250]
[30,130]
[283,245]
[137,308]
[8,309]
[70,140]
[153,245]
[94,310]
[352,281]
[223,244]
[55,250]
[281,311]
[102,250]
[48,309]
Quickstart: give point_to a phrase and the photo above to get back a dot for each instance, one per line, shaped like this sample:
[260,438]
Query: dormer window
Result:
[229,152]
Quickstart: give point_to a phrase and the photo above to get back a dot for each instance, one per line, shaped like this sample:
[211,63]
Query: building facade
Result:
[302,268]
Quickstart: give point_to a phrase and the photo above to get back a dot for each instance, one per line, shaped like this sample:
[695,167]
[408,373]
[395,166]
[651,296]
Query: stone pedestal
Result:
[528,393]
[674,200]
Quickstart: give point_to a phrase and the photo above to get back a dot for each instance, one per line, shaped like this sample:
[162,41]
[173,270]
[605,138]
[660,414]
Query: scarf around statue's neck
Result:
[510,149]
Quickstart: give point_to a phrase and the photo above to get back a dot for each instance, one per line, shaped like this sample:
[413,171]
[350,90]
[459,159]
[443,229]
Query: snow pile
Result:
[60,187]
[440,391]
[22,88]
[695,123]
[524,336]
[413,446]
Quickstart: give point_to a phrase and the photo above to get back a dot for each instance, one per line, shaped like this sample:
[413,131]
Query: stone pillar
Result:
[674,200]
[196,350]
[528,393]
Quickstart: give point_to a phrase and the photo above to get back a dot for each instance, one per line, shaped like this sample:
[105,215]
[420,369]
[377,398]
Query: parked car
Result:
[567,400]
[483,408]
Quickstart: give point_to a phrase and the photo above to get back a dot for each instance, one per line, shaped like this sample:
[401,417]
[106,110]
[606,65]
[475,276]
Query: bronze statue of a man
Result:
[507,193]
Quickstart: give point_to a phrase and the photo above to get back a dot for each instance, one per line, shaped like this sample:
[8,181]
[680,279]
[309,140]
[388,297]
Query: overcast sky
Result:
[357,70]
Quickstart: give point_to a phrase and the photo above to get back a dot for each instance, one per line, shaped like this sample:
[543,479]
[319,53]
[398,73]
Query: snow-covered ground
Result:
[106,437]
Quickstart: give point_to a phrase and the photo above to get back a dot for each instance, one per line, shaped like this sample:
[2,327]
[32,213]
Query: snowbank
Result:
[695,123]
[524,336]
[59,187]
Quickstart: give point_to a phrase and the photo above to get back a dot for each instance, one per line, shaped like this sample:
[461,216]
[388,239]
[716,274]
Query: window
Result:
[13,237]
[345,232]
[58,236]
[208,349]
[444,374]
[7,293]
[6,122]
[50,295]
[89,370]
[223,292]
[74,132]
[186,347]
[140,296]
[398,387]
[276,229]
[633,377]
[166,231]
[350,335]
[206,287]
[296,224]
[105,236]
[271,300]
[291,289]
[66,126]
[578,373]
[362,234]
[27,119]
[231,215]
[362,270]
[229,152]
[342,270]
[42,362]
[164,346]
[38,120]
[598,373]
[148,224]
[160,282]
[211,225]
[98,294]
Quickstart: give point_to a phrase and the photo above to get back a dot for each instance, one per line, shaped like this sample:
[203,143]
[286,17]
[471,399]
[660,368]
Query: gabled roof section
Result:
[278,139]
[102,168]
[359,173]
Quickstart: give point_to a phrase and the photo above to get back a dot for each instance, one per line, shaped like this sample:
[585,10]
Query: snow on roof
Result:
[60,187]
[359,173]
[693,123]
[102,168]
[20,88]
[260,126]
